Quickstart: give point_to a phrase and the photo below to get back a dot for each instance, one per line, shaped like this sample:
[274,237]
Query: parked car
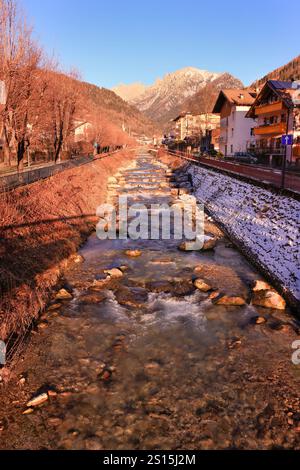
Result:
[245,157]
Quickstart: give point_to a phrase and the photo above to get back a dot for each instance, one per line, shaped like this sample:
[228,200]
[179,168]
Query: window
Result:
[252,131]
[232,132]
[231,149]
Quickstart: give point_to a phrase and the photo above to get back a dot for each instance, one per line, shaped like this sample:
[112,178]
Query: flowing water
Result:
[150,362]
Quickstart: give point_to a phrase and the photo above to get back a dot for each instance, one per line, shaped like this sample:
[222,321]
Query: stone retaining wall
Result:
[264,224]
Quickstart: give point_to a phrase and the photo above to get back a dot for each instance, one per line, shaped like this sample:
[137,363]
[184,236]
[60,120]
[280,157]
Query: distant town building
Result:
[277,111]
[236,131]
[2,103]
[81,130]
[210,140]
[194,125]
[2,93]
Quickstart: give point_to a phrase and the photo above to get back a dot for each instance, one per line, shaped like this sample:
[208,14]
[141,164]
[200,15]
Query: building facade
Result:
[277,112]
[81,130]
[194,125]
[235,130]
[2,103]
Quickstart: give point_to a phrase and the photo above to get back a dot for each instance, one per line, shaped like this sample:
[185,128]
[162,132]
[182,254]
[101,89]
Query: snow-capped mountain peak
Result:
[173,89]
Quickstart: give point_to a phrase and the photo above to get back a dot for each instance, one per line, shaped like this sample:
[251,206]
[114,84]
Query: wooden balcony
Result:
[269,108]
[271,129]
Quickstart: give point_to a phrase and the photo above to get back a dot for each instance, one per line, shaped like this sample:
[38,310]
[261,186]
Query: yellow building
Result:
[195,125]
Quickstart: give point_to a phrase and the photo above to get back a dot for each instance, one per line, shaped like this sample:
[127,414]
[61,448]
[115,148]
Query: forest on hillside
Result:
[289,71]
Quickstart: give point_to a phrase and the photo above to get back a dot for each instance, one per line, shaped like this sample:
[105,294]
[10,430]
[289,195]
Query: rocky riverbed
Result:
[148,346]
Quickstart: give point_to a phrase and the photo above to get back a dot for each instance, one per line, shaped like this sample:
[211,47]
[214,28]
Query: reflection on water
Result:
[151,363]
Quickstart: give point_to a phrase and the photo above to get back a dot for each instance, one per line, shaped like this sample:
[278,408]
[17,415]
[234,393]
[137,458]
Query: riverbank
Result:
[42,227]
[264,225]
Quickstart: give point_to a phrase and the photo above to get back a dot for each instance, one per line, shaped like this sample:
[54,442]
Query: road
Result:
[271,176]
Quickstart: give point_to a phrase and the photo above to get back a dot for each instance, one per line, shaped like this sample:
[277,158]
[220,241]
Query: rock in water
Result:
[230,301]
[92,298]
[209,244]
[268,299]
[38,400]
[63,294]
[260,320]
[202,285]
[261,285]
[114,273]
[133,253]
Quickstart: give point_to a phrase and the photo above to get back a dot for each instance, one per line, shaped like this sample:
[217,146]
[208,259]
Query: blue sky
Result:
[117,41]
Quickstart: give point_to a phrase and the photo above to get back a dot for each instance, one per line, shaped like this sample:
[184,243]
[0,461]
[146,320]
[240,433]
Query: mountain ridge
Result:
[158,99]
[287,72]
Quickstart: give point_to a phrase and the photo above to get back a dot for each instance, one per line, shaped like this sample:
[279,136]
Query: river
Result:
[150,362]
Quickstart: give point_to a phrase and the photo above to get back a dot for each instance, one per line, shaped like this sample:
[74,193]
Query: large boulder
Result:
[268,298]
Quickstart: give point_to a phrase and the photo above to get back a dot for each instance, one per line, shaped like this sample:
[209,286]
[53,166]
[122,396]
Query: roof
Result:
[181,115]
[284,91]
[238,97]
[280,85]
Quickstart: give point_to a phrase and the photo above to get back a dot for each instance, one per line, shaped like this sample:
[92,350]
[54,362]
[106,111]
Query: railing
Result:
[269,108]
[278,128]
[31,175]
[266,150]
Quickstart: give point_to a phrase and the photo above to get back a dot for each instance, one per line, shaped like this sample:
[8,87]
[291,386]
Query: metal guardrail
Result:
[29,176]
[204,161]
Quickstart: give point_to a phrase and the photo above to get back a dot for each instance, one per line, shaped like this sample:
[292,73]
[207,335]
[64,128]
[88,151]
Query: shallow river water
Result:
[150,362]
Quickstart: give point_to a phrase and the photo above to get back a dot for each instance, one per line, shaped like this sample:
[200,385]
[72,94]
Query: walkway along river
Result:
[144,359]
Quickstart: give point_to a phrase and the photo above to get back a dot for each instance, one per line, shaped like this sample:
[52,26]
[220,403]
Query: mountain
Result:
[290,71]
[117,111]
[203,101]
[129,92]
[160,99]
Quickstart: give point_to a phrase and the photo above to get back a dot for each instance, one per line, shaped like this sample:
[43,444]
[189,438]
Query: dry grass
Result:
[41,226]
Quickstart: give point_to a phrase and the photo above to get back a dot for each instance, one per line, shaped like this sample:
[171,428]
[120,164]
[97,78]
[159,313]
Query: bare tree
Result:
[63,99]
[20,59]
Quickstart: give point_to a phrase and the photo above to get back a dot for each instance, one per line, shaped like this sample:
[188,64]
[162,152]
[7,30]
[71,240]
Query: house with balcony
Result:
[235,129]
[276,111]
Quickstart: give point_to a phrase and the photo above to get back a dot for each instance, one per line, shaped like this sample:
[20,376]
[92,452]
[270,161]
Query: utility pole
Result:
[283,171]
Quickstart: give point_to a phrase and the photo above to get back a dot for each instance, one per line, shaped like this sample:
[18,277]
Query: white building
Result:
[2,93]
[236,131]
[81,130]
